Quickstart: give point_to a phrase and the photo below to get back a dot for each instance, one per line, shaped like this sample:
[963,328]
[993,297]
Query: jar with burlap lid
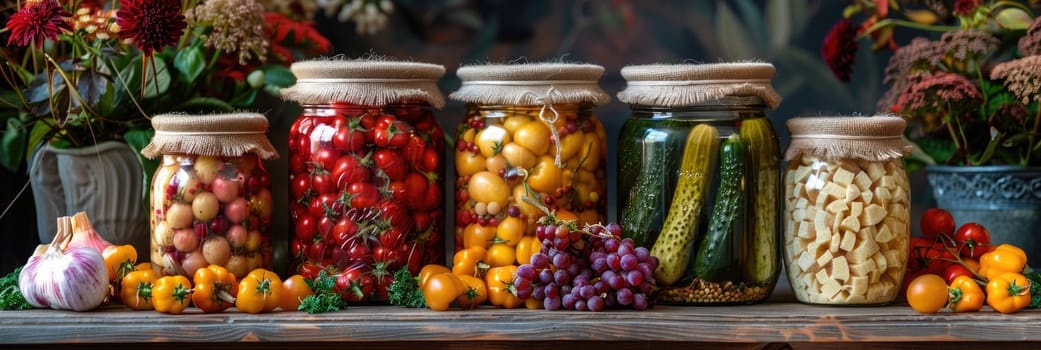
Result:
[365,169]
[698,179]
[846,209]
[210,196]
[529,139]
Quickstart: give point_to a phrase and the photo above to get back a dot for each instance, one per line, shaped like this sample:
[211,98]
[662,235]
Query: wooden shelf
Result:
[783,321]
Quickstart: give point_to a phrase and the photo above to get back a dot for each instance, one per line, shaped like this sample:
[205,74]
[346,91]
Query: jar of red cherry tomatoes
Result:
[210,196]
[365,172]
[529,143]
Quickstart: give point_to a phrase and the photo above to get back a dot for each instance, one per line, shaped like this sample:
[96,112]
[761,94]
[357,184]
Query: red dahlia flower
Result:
[150,24]
[36,22]
[840,49]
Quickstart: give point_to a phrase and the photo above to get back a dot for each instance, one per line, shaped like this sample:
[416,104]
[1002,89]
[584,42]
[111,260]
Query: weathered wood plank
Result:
[781,322]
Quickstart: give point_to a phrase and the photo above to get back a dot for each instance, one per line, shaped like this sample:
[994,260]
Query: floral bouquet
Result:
[971,91]
[79,72]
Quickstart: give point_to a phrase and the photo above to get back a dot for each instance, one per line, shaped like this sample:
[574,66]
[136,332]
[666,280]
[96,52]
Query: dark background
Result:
[612,33]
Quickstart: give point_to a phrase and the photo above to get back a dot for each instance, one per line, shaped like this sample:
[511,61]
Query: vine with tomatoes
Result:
[365,195]
[958,267]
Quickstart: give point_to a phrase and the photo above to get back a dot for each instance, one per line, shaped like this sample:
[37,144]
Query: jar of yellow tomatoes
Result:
[846,209]
[365,172]
[529,144]
[699,168]
[210,196]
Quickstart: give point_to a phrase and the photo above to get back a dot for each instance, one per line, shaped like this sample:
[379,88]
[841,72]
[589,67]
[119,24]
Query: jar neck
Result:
[493,111]
[332,109]
[725,108]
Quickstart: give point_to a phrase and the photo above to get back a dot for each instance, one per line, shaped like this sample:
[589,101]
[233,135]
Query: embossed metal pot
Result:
[1005,199]
[104,181]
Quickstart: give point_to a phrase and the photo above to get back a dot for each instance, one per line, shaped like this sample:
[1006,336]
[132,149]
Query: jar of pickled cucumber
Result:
[365,172]
[210,196]
[698,175]
[530,143]
[846,209]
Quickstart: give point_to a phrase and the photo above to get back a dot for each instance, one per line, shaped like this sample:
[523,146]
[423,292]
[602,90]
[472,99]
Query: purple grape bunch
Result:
[586,270]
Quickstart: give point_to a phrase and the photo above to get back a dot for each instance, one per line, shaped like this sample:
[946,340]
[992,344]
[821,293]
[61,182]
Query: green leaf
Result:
[734,39]
[205,104]
[91,85]
[918,154]
[138,139]
[851,10]
[190,62]
[160,76]
[940,150]
[277,77]
[1012,18]
[779,22]
[36,136]
[245,100]
[989,151]
[13,144]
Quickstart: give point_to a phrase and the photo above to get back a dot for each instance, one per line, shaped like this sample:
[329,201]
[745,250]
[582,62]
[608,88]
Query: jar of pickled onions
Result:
[210,196]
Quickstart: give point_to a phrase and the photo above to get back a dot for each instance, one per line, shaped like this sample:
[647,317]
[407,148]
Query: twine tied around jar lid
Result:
[214,135]
[878,138]
[533,84]
[367,82]
[684,85]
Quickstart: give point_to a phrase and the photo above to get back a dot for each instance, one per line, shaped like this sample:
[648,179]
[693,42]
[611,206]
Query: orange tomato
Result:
[545,177]
[467,163]
[534,136]
[476,235]
[528,246]
[294,290]
[927,293]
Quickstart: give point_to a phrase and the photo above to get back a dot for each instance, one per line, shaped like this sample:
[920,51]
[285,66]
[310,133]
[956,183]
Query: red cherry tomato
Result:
[391,163]
[936,221]
[322,182]
[973,240]
[955,270]
[301,186]
[350,169]
[362,195]
[305,229]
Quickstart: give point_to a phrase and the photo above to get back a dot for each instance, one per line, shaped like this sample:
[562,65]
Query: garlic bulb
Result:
[84,234]
[75,279]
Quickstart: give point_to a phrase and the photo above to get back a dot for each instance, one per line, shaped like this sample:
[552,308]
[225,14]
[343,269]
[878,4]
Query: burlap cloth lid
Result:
[215,135]
[877,138]
[682,85]
[531,84]
[368,82]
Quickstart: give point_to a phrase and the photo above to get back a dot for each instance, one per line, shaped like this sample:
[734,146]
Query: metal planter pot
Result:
[1005,199]
[104,180]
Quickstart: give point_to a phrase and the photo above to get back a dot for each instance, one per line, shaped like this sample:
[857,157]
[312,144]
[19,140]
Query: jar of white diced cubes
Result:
[846,209]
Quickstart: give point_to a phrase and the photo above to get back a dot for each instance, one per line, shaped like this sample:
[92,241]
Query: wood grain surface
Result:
[773,322]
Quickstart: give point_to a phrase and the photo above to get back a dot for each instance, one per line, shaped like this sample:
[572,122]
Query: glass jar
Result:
[729,221]
[506,157]
[365,190]
[846,210]
[365,172]
[211,210]
[210,196]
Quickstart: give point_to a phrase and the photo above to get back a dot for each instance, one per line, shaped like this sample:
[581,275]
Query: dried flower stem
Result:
[1033,135]
[907,24]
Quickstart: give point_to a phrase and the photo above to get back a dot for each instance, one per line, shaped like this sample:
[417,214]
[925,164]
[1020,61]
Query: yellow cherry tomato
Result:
[500,255]
[495,164]
[518,156]
[527,209]
[515,122]
[491,139]
[510,231]
[592,153]
[499,281]
[545,177]
[470,261]
[488,187]
[534,136]
[528,246]
[571,144]
[477,235]
[467,163]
